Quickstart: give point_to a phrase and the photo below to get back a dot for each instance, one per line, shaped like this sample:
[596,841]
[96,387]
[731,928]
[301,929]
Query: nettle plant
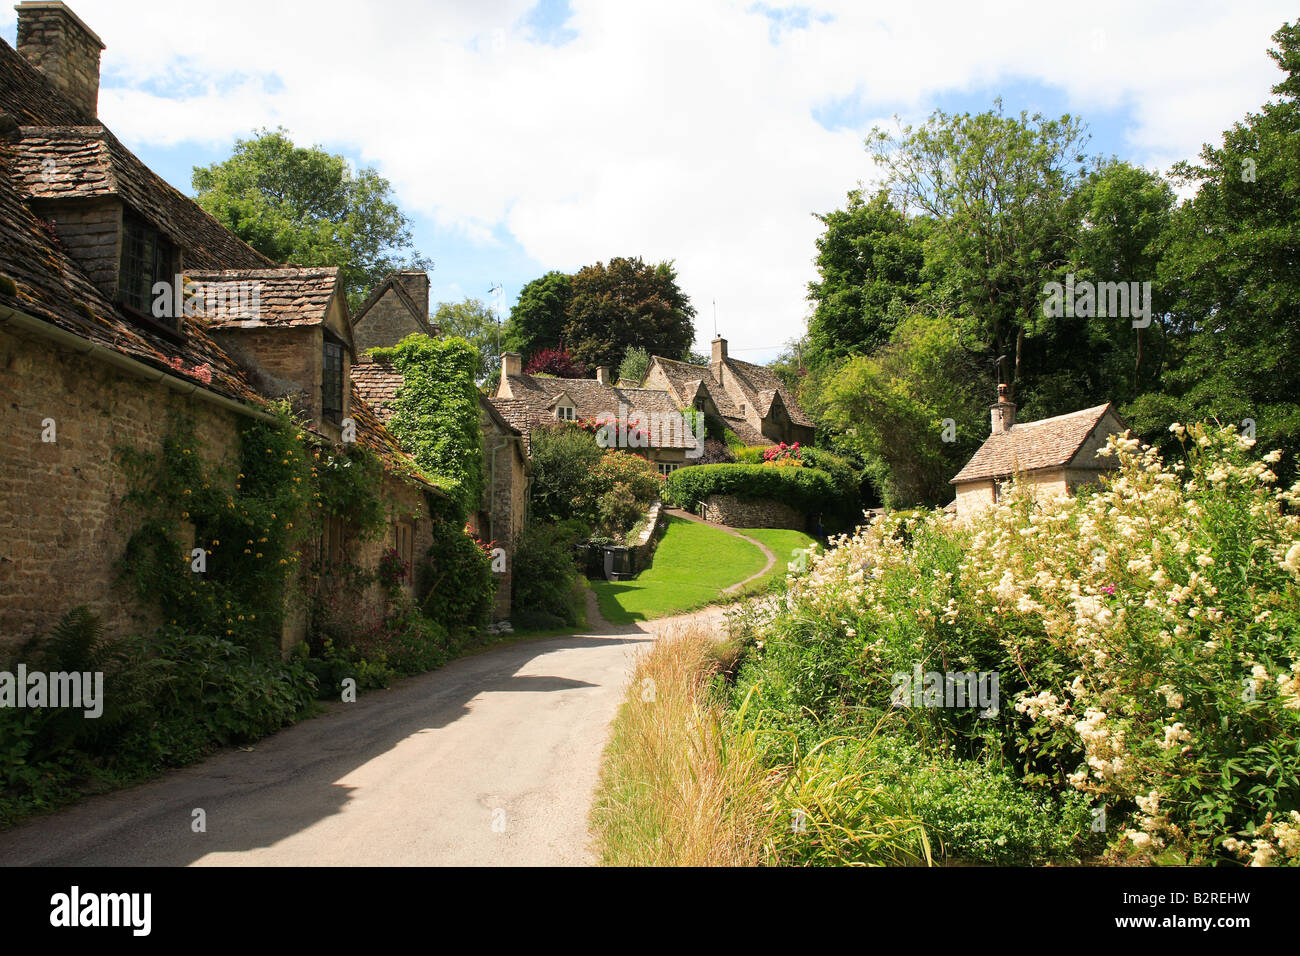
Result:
[1147,633]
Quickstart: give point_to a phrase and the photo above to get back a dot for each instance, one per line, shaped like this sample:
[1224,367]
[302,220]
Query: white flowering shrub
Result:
[1146,634]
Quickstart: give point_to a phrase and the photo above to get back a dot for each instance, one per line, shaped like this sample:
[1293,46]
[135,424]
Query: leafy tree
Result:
[307,207]
[563,459]
[555,362]
[890,408]
[537,319]
[636,363]
[997,189]
[1232,273]
[869,262]
[623,304]
[1123,214]
[473,321]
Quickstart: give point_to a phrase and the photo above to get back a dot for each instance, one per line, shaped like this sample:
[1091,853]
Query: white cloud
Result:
[671,129]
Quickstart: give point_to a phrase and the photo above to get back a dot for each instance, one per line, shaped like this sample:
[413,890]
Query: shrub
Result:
[459,587]
[545,581]
[635,364]
[556,362]
[806,489]
[618,490]
[563,458]
[1147,634]
[715,453]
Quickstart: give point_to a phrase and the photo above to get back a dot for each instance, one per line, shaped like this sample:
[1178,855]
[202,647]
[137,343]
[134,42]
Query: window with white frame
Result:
[667,467]
[566,413]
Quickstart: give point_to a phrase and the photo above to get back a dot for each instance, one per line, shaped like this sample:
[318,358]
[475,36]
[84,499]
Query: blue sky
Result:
[524,137]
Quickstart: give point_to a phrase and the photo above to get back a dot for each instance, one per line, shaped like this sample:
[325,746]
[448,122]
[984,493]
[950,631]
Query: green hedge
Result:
[805,489]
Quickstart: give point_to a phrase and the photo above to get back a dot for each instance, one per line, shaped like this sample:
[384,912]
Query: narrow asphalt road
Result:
[492,760]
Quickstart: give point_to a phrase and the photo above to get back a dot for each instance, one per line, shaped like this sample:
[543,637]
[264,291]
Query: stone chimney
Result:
[603,374]
[512,363]
[56,42]
[719,356]
[415,283]
[1003,412]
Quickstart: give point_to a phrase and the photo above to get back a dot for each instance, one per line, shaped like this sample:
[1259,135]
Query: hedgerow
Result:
[805,489]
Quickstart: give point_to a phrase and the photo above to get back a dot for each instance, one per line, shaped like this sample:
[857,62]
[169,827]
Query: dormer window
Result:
[147,258]
[566,413]
[332,382]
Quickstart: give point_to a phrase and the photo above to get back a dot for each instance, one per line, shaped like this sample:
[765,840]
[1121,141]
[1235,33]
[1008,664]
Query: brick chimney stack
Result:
[603,374]
[1003,412]
[57,43]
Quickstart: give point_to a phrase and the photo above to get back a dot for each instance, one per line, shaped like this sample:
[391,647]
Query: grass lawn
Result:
[783,544]
[692,565]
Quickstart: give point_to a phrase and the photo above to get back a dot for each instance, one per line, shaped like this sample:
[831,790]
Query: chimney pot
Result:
[1003,412]
[60,45]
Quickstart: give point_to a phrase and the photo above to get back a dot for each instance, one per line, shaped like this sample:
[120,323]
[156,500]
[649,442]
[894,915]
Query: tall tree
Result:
[627,303]
[473,321]
[1233,274]
[307,207]
[997,188]
[869,262]
[912,410]
[537,319]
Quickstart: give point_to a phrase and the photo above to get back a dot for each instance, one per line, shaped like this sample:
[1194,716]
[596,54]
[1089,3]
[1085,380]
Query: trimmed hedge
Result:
[806,489]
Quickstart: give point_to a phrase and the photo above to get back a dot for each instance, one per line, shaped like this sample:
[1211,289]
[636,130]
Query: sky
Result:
[521,137]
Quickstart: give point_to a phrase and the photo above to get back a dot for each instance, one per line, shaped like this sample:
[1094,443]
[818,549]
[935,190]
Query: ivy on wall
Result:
[217,549]
[436,413]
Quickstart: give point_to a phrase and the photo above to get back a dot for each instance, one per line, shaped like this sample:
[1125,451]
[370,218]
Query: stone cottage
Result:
[646,421]
[1053,455]
[398,307]
[750,399]
[91,358]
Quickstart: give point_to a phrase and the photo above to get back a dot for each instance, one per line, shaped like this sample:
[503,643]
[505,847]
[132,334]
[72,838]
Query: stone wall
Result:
[62,534]
[505,492]
[91,231]
[759,513]
[282,362]
[65,528]
[386,323]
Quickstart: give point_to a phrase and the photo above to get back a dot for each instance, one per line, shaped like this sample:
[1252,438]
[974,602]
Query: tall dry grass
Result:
[676,789]
[684,782]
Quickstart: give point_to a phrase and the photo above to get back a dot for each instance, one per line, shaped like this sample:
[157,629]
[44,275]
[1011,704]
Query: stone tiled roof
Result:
[1032,446]
[760,384]
[79,162]
[377,383]
[48,285]
[592,400]
[495,414]
[287,296]
[52,287]
[25,94]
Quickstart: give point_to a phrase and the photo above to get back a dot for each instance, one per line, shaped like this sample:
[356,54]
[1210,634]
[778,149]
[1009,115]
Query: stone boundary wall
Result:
[758,513]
